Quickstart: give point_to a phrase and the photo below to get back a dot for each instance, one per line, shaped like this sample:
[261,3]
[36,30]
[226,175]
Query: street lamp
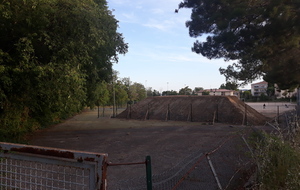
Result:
[167,88]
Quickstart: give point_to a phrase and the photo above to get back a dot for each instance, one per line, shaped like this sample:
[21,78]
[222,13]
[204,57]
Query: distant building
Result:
[259,88]
[218,92]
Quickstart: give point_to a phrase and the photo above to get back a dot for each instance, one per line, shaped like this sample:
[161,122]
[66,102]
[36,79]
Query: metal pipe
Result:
[214,172]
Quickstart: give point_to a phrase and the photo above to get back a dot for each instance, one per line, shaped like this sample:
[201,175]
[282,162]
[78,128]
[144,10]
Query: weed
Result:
[277,161]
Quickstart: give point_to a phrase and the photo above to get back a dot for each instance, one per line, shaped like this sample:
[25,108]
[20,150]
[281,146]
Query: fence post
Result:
[148,173]
[246,119]
[191,112]
[278,114]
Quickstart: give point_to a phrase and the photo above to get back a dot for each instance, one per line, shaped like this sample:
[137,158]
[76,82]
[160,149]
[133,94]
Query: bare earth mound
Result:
[222,109]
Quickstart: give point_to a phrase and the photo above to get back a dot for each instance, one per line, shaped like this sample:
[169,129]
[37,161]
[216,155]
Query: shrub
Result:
[278,163]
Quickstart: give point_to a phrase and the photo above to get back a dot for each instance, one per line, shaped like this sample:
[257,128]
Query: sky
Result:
[159,54]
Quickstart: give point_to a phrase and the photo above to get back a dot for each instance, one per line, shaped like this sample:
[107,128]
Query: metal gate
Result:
[35,167]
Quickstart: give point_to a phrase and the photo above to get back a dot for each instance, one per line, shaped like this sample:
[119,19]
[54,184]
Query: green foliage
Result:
[262,36]
[278,163]
[185,91]
[246,95]
[120,93]
[197,89]
[229,86]
[151,92]
[15,122]
[169,92]
[155,93]
[54,55]
[263,97]
[205,92]
[137,92]
[100,96]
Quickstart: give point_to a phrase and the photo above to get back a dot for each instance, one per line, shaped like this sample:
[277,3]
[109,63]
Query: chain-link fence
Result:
[225,167]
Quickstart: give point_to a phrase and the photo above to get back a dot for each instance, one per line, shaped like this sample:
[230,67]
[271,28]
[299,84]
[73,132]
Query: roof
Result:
[262,82]
[217,90]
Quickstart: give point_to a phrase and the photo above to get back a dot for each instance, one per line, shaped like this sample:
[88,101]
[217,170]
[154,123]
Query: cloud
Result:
[118,2]
[128,17]
[157,11]
[164,25]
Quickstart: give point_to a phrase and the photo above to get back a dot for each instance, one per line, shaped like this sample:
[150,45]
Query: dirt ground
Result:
[169,143]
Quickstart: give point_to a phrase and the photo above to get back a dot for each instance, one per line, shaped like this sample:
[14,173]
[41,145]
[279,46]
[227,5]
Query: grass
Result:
[278,163]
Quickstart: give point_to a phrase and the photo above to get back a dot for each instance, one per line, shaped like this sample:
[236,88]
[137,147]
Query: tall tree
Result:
[261,36]
[121,94]
[53,53]
[138,91]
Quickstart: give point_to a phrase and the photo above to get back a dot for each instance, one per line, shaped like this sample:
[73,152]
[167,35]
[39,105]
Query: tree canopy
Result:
[261,36]
[185,91]
[229,86]
[54,56]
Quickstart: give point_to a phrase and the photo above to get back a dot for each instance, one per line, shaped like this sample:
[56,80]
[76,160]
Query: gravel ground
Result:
[170,144]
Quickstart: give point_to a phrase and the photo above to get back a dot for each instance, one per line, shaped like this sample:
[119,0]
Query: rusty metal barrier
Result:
[35,167]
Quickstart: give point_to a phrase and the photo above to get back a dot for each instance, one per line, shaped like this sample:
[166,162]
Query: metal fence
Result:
[33,167]
[224,167]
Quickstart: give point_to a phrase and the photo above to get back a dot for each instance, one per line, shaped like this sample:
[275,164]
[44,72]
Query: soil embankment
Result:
[221,109]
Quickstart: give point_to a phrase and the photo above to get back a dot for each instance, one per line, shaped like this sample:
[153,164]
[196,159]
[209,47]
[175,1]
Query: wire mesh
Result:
[36,167]
[24,174]
[231,161]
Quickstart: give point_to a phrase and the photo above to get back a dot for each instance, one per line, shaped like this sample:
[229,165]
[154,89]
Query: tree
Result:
[151,92]
[185,91]
[169,92]
[102,96]
[197,89]
[205,92]
[246,95]
[261,36]
[53,55]
[270,90]
[155,93]
[138,91]
[229,86]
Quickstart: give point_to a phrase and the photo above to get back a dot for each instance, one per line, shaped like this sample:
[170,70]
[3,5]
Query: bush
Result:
[15,123]
[278,163]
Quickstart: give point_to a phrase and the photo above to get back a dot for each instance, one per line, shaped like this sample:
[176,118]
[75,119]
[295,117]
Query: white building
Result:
[218,92]
[259,88]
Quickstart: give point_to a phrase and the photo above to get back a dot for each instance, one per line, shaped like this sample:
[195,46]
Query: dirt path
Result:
[168,144]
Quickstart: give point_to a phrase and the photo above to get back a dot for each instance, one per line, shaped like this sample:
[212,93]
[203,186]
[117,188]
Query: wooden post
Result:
[168,113]
[191,112]
[147,113]
[213,122]
[217,116]
[130,111]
